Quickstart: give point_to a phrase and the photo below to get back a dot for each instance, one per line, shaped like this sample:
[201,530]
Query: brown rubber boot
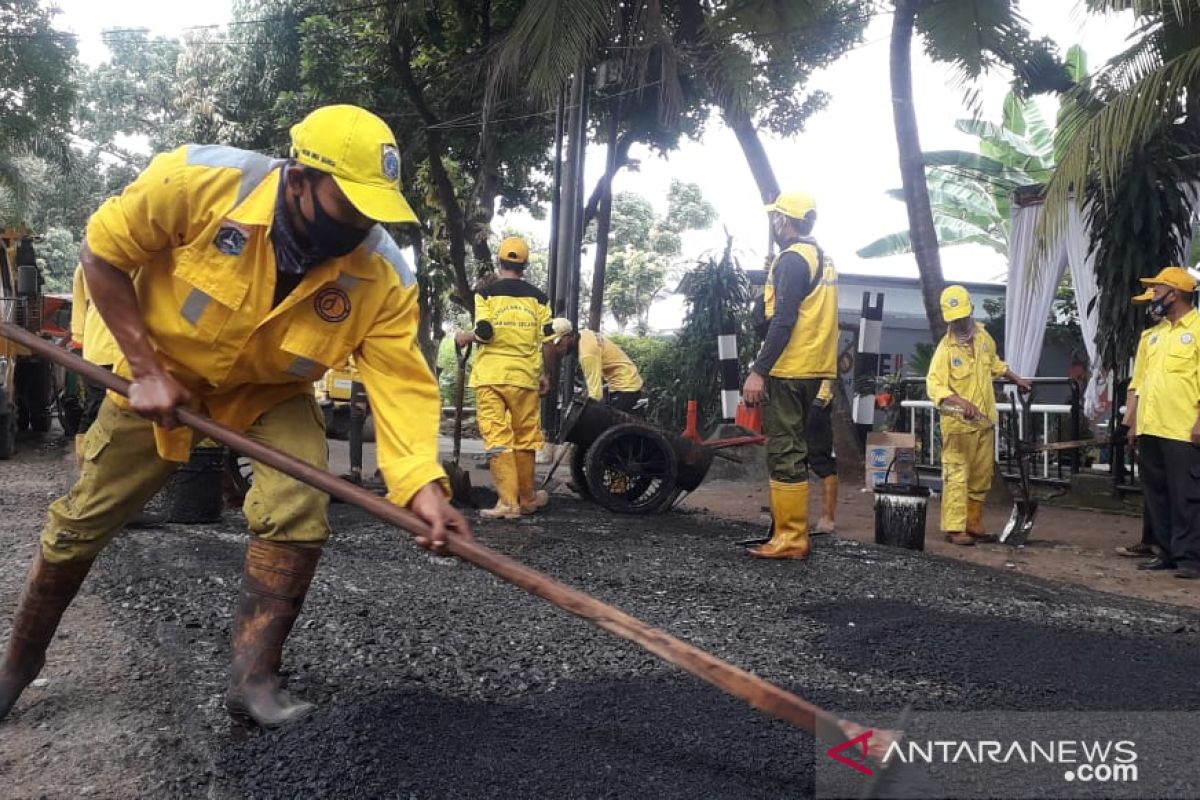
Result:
[273,588]
[827,524]
[975,527]
[531,497]
[48,591]
[960,538]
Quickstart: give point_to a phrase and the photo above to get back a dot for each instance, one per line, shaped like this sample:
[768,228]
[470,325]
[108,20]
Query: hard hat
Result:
[514,250]
[561,327]
[1143,298]
[956,303]
[358,149]
[793,204]
[1175,277]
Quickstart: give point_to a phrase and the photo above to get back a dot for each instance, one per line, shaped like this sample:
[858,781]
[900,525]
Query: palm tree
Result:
[1127,155]
[973,36]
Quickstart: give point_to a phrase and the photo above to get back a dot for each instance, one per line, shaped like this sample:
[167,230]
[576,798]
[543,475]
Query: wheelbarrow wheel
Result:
[579,473]
[631,469]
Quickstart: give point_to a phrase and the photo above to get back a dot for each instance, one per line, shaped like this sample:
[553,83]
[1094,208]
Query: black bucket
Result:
[900,513]
[195,493]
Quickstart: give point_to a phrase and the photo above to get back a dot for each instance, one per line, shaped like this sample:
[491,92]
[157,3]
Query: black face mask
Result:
[1159,307]
[328,236]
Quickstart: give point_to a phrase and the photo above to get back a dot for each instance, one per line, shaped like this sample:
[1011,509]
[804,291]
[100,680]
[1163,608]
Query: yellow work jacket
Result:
[1166,377]
[512,321]
[194,231]
[811,351]
[966,371]
[87,326]
[603,362]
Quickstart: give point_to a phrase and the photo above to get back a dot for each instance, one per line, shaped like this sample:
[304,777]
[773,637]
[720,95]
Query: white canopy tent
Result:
[1033,280]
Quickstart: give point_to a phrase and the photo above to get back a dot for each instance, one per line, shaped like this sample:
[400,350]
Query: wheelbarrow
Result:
[627,465]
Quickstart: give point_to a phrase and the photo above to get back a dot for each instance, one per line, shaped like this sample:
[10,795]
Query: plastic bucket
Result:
[195,493]
[900,512]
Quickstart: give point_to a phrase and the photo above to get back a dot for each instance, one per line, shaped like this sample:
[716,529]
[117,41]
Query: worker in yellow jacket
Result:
[604,365]
[231,281]
[799,352]
[960,384]
[512,328]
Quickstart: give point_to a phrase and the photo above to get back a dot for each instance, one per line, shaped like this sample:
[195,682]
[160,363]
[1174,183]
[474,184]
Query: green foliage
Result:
[644,247]
[657,359]
[58,255]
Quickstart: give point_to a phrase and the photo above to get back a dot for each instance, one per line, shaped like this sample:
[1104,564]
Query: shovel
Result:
[460,479]
[757,692]
[1020,522]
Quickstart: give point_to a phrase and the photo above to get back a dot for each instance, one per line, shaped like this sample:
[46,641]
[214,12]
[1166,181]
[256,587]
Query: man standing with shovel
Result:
[231,281]
[960,385]
[513,328]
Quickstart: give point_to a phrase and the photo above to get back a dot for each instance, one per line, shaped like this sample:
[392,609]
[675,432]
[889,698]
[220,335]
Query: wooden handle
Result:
[759,693]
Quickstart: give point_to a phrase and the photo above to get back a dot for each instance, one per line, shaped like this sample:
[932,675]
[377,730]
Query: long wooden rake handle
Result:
[759,693]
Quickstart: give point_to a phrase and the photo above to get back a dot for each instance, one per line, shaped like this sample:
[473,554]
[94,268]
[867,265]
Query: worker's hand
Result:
[754,390]
[156,396]
[1196,434]
[544,385]
[970,412]
[1024,384]
[464,338]
[432,506]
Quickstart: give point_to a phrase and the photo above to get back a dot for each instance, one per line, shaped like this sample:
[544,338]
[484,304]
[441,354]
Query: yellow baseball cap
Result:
[358,149]
[514,250]
[1143,298]
[956,303]
[793,204]
[1175,277]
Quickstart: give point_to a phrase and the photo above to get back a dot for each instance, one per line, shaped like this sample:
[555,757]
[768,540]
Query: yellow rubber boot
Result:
[504,475]
[827,523]
[789,510]
[975,528]
[530,496]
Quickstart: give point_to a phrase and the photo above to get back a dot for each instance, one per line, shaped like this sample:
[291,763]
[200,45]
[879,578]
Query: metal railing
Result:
[1046,423]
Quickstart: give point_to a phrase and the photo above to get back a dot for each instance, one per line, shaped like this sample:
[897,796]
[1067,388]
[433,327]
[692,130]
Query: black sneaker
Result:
[1156,565]
[1188,573]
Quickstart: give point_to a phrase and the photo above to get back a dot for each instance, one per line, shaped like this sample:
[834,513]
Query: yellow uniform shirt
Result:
[194,231]
[966,371]
[512,321]
[87,326]
[1166,377]
[603,362]
[811,351]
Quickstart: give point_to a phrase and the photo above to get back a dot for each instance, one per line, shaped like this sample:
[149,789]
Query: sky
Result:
[846,157]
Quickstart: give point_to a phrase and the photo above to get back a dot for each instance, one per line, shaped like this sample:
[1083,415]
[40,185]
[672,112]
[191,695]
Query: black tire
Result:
[631,469]
[579,471]
[8,433]
[368,434]
[337,422]
[70,413]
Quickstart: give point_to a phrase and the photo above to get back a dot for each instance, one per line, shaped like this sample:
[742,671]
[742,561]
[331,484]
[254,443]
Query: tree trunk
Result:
[752,148]
[912,168]
[604,222]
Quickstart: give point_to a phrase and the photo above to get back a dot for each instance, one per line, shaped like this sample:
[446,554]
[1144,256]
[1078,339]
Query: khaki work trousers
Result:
[968,461]
[121,471]
[510,418]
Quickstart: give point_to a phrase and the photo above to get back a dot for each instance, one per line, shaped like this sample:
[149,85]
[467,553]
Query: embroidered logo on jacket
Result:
[332,304]
[230,240]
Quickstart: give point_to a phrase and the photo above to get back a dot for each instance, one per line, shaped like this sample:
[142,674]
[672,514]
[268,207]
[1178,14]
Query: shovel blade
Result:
[460,484]
[1020,522]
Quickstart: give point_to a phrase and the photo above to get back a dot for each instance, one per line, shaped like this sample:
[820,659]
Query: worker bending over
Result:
[604,366]
[230,282]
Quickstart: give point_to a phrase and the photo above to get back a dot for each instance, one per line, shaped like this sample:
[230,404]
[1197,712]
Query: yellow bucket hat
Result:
[358,149]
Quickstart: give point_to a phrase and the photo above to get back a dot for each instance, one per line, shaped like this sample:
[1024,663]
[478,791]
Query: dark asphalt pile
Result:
[436,680]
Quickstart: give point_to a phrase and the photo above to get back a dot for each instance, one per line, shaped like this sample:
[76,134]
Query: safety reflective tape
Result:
[303,367]
[254,166]
[194,306]
[348,282]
